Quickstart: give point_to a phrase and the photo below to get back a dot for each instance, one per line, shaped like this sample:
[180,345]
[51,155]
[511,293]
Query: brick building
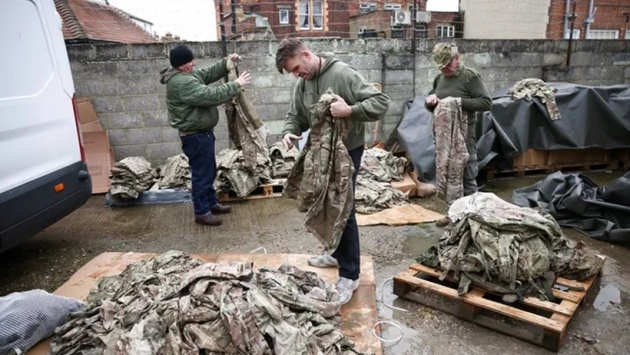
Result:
[609,19]
[276,19]
[378,18]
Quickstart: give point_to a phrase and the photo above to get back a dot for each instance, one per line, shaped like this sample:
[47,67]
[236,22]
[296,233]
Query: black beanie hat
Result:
[180,55]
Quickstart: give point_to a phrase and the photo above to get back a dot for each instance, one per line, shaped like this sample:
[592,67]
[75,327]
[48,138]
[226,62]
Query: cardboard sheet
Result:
[399,216]
[406,185]
[358,316]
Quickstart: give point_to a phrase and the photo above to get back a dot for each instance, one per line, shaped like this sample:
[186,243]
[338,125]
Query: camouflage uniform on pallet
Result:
[175,305]
[527,88]
[506,249]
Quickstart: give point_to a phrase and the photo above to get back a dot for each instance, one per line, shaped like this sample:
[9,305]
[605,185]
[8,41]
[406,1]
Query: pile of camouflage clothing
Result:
[131,176]
[509,250]
[282,160]
[374,191]
[234,172]
[175,173]
[527,88]
[173,305]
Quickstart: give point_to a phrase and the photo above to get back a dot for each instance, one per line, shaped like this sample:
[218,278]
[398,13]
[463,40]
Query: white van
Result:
[43,174]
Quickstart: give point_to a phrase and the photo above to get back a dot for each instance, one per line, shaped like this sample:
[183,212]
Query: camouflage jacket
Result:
[527,88]
[321,179]
[450,129]
[174,305]
[246,130]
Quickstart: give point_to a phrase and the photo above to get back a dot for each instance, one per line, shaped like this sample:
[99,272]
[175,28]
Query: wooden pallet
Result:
[539,322]
[586,167]
[520,172]
[525,171]
[271,190]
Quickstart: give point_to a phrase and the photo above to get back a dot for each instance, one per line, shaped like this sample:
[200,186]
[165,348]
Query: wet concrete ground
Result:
[50,258]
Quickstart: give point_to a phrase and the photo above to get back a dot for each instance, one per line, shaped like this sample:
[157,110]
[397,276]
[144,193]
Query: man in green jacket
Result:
[458,81]
[192,110]
[356,100]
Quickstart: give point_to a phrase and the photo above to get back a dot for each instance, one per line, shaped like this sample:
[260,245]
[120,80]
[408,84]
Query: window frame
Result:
[589,34]
[280,12]
[449,29]
[311,15]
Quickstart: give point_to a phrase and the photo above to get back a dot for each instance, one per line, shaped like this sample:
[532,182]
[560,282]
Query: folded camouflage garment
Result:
[175,173]
[175,305]
[282,160]
[527,88]
[131,176]
[234,173]
[507,249]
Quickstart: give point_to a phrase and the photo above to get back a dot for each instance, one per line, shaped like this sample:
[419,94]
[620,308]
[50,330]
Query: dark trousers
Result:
[471,170]
[199,148]
[348,253]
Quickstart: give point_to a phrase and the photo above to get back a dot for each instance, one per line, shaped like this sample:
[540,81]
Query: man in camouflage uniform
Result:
[459,82]
[355,99]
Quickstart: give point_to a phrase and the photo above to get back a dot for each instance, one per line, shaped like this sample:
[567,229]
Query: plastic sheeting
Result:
[591,117]
[575,201]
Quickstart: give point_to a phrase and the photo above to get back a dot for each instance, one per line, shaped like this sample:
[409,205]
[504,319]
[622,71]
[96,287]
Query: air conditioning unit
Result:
[401,17]
[423,17]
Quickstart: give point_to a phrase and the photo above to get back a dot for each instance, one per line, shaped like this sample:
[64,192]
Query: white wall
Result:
[505,19]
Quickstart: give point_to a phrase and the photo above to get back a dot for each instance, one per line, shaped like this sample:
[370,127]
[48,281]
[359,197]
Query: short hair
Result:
[287,49]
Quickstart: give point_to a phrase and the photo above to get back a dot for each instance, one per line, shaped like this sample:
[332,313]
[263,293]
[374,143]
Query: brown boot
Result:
[221,209]
[442,222]
[208,220]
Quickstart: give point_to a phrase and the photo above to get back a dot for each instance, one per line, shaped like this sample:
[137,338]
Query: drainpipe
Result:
[566,17]
[590,19]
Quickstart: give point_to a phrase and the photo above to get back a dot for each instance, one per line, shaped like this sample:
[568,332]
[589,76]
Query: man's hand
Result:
[339,108]
[243,79]
[432,100]
[234,57]
[288,139]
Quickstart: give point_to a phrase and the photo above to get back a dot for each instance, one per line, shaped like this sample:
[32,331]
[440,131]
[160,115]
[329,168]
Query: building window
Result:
[392,7]
[602,34]
[576,34]
[421,31]
[628,34]
[311,15]
[445,31]
[284,16]
[398,32]
[365,7]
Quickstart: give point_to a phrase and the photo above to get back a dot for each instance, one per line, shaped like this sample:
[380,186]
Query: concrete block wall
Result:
[123,81]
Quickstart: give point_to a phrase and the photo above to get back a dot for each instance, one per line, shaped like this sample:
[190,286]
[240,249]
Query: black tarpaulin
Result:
[575,201]
[591,116]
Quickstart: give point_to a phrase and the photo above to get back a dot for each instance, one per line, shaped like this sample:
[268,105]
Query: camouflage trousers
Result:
[450,131]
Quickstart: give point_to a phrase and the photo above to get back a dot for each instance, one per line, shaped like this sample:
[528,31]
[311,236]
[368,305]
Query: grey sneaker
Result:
[346,288]
[323,261]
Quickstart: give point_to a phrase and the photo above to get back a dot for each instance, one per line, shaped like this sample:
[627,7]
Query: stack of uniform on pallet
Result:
[506,249]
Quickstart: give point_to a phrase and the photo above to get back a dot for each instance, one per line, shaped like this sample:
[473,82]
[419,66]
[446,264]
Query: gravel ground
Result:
[602,326]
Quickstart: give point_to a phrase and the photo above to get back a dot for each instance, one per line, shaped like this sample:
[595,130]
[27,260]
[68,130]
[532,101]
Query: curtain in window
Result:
[318,14]
[304,7]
